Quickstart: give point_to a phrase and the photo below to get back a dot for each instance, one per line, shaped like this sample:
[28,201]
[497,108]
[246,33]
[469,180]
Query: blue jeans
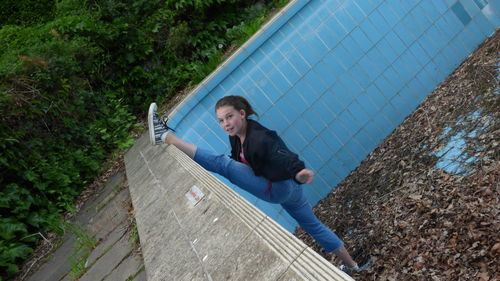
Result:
[287,193]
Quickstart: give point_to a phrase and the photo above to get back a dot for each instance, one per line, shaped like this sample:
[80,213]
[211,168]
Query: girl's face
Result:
[231,120]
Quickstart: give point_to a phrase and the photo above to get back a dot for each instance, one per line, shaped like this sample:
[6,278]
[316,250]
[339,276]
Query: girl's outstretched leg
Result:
[298,207]
[188,148]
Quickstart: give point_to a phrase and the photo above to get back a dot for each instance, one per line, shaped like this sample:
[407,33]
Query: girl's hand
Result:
[304,176]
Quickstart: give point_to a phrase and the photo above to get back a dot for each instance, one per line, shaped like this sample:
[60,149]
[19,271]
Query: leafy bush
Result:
[72,86]
[26,12]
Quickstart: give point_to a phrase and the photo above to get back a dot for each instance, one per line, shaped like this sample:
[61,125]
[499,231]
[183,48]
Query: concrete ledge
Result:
[222,237]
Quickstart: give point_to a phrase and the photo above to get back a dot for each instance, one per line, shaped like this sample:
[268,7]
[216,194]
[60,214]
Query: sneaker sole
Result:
[152,110]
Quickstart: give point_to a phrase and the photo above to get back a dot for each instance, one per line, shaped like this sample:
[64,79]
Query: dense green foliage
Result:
[26,12]
[72,84]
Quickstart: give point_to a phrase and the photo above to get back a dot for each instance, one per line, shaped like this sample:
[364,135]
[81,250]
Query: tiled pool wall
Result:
[334,78]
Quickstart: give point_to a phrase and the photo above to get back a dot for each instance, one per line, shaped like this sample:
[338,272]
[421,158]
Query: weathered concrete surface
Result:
[102,217]
[222,237]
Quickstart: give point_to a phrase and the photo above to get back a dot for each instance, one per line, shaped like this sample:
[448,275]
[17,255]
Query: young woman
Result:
[261,164]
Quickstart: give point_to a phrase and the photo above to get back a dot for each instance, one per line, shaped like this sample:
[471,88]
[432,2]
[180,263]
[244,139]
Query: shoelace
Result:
[163,120]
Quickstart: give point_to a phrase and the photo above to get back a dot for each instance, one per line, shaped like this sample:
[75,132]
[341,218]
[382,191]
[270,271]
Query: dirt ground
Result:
[418,221]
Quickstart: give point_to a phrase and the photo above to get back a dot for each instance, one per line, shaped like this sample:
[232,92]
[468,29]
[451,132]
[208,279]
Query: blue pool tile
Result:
[388,13]
[313,50]
[430,10]
[403,101]
[452,55]
[340,131]
[360,37]
[259,101]
[353,47]
[376,96]
[357,151]
[486,27]
[386,88]
[371,68]
[379,22]
[290,106]
[277,116]
[360,76]
[350,84]
[402,67]
[306,93]
[329,177]
[322,149]
[374,132]
[383,124]
[358,113]
[330,139]
[425,80]
[421,21]
[419,54]
[328,36]
[481,3]
[299,63]
[347,159]
[312,196]
[441,5]
[338,167]
[294,139]
[411,62]
[322,187]
[270,90]
[312,158]
[305,130]
[443,64]
[470,7]
[380,62]
[454,23]
[349,122]
[288,71]
[342,56]
[461,13]
[365,140]
[386,50]
[334,65]
[396,43]
[400,8]
[354,11]
[366,104]
[331,101]
[406,30]
[317,84]
[371,31]
[336,27]
[279,80]
[321,108]
[324,74]
[345,20]
[418,90]
[432,69]
[471,37]
[366,6]
[392,115]
[314,120]
[342,95]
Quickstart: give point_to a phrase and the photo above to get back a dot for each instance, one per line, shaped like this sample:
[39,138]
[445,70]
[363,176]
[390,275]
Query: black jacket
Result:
[266,153]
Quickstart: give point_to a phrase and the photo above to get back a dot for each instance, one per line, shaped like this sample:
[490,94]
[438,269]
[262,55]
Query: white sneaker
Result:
[356,269]
[157,127]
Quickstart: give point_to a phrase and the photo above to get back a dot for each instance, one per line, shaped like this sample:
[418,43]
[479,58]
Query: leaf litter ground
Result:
[425,203]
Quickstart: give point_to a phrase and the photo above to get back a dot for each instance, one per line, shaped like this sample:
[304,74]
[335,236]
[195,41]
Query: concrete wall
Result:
[335,77]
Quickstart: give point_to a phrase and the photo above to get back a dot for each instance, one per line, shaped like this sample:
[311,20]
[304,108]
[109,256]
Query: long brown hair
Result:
[238,102]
